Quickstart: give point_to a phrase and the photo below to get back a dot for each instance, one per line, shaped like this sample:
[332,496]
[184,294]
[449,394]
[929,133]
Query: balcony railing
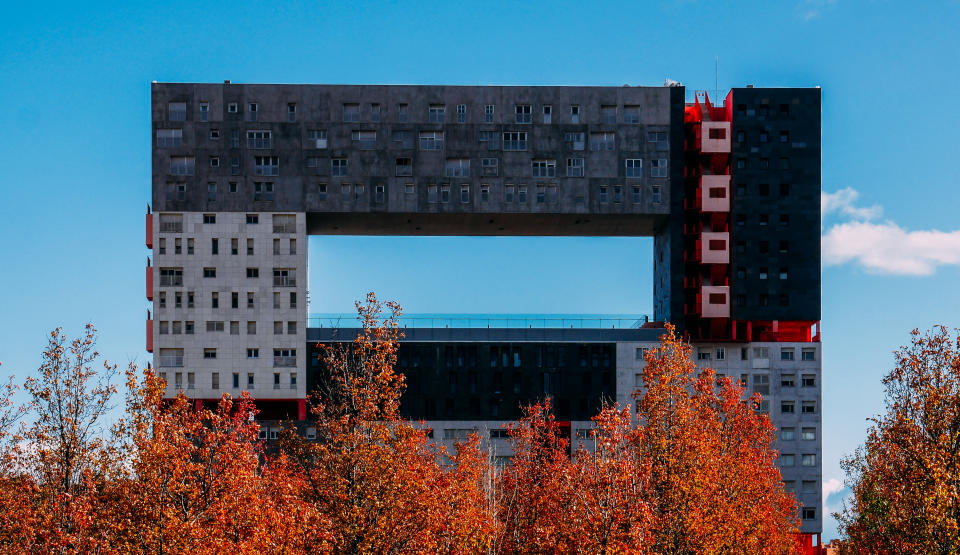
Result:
[170,360]
[285,362]
[514,321]
[284,281]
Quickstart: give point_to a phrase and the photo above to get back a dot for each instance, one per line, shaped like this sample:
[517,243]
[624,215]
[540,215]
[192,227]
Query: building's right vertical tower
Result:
[749,235]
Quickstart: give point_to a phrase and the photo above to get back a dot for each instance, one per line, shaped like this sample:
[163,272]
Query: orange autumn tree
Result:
[372,482]
[193,476]
[905,479]
[713,483]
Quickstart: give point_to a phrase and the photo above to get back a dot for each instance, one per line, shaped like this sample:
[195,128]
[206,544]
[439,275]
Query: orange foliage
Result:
[905,479]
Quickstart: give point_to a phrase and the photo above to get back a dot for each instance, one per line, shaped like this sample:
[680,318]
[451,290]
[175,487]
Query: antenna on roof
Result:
[716,77]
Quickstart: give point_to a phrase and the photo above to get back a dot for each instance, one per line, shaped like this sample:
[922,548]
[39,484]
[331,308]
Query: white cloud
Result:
[844,202]
[886,248]
[830,487]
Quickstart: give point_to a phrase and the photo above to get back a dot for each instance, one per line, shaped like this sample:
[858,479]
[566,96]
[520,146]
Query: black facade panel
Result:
[775,209]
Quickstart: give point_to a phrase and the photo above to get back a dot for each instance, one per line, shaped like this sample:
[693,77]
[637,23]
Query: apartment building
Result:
[243,174]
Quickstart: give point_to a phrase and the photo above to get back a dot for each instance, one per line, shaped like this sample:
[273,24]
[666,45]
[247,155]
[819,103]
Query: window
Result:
[641,353]
[253,272]
[214,300]
[574,113]
[252,109]
[808,513]
[603,194]
[574,167]
[209,353]
[365,140]
[484,193]
[284,277]
[214,326]
[171,277]
[458,167]
[784,136]
[162,246]
[658,167]
[404,166]
[808,380]
[508,193]
[787,407]
[515,141]
[317,138]
[761,384]
[787,434]
[489,167]
[808,354]
[250,381]
[602,141]
[251,327]
[703,354]
[488,111]
[783,273]
[191,380]
[291,112]
[437,113]
[233,108]
[635,195]
[169,137]
[177,111]
[253,219]
[351,112]
[721,353]
[409,188]
[215,380]
[338,167]
[402,113]
[541,193]
[631,114]
[788,460]
[285,357]
[808,434]
[808,407]
[787,380]
[253,353]
[523,113]
[617,194]
[543,168]
[809,460]
[164,327]
[177,325]
[634,167]
[461,113]
[444,193]
[522,193]
[655,193]
[431,140]
[249,246]
[266,165]
[379,193]
[464,194]
[263,191]
[658,138]
[547,114]
[608,114]
[204,111]
[292,328]
[182,165]
[322,191]
[211,191]
[432,193]
[574,141]
[284,223]
[786,353]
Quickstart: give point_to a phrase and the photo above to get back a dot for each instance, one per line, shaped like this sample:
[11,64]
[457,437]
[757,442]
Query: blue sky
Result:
[75,148]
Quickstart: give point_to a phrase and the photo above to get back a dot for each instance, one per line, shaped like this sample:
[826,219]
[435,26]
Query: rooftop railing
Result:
[514,321]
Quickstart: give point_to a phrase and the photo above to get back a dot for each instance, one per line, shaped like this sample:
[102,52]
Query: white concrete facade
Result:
[222,313]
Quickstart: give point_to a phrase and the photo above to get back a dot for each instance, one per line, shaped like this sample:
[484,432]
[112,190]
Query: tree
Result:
[371,481]
[713,482]
[905,478]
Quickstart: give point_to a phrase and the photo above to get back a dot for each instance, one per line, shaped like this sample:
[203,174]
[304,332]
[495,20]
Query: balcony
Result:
[715,193]
[715,301]
[714,247]
[149,281]
[149,332]
[149,228]
[284,281]
[715,137]
[284,362]
[170,361]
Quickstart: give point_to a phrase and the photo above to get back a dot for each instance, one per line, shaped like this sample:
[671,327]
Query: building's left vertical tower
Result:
[228,285]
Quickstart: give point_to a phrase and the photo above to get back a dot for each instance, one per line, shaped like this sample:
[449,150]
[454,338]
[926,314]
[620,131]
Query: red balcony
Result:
[149,227]
[149,332]
[149,275]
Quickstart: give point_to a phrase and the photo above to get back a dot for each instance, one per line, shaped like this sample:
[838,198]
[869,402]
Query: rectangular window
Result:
[266,165]
[488,111]
[808,460]
[291,112]
[444,193]
[402,113]
[177,111]
[522,194]
[574,113]
[655,194]
[631,114]
[171,277]
[251,328]
[574,141]
[465,194]
[253,353]
[461,113]
[574,167]
[787,407]
[808,434]
[547,114]
[508,192]
[322,191]
[338,167]
[351,113]
[437,113]
[788,460]
[808,513]
[209,353]
[761,384]
[284,223]
[169,137]
[658,139]
[787,434]
[182,165]
[658,167]
[458,167]
[786,353]
[787,380]
[204,111]
[262,191]
[252,109]
[808,380]
[317,138]
[284,277]
[635,195]
[292,328]
[602,141]
[523,113]
[484,193]
[489,167]
[808,354]
[249,246]
[515,141]
[634,167]
[543,168]
[608,114]
[365,140]
[213,326]
[259,139]
[380,193]
[404,167]
[431,140]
